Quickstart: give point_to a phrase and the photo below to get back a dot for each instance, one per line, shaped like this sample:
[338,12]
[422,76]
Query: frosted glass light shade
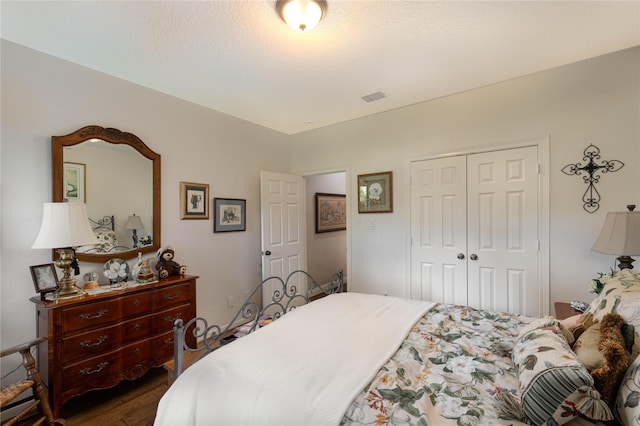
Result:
[64,225]
[301,15]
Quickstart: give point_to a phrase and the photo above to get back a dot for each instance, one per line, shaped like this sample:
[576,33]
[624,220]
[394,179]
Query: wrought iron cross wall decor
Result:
[591,197]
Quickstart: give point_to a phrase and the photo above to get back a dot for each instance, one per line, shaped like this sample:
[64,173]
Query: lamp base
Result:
[69,294]
[67,285]
[625,262]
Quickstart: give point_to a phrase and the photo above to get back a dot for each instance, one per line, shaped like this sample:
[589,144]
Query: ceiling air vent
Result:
[373,97]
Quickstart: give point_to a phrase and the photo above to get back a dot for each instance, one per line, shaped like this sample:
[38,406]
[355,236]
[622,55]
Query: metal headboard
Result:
[285,298]
[104,224]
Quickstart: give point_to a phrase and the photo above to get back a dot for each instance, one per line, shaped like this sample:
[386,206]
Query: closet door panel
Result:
[438,230]
[503,234]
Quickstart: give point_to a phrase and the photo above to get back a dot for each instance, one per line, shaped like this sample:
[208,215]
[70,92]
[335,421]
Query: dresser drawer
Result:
[91,315]
[173,295]
[164,320]
[163,348]
[136,304]
[106,370]
[102,340]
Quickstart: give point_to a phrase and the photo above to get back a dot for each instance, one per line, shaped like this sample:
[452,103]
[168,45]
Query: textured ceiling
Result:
[239,58]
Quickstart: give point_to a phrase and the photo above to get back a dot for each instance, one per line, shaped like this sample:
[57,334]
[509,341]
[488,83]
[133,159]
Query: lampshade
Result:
[620,234]
[301,15]
[134,222]
[64,225]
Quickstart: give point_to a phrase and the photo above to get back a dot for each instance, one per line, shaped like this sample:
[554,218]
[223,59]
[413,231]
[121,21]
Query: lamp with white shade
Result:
[620,236]
[64,226]
[134,223]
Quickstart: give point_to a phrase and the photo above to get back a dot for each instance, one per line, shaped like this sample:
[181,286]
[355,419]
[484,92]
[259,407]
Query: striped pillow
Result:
[555,386]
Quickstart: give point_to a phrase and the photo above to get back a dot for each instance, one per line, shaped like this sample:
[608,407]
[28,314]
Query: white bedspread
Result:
[303,369]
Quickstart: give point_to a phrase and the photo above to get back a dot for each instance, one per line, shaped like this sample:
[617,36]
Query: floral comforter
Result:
[452,367]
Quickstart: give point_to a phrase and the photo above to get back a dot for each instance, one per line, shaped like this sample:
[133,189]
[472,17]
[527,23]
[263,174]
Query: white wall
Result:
[595,101]
[326,251]
[44,96]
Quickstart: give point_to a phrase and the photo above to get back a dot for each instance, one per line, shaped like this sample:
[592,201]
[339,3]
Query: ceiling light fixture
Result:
[301,15]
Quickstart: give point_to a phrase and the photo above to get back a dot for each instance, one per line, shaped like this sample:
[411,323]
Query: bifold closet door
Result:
[502,188]
[474,230]
[439,230]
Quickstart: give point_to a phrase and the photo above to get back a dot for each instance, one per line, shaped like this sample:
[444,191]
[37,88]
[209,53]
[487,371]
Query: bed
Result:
[355,359]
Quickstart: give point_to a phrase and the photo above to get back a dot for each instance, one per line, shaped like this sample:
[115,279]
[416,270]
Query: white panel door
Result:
[283,227]
[438,230]
[503,230]
[474,230]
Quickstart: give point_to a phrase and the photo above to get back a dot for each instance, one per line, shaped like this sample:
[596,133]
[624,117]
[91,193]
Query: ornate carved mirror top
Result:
[118,177]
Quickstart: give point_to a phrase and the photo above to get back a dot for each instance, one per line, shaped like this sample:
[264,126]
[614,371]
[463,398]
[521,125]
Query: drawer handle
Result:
[87,343]
[173,319]
[136,303]
[101,313]
[168,341]
[136,327]
[87,371]
[178,294]
[137,351]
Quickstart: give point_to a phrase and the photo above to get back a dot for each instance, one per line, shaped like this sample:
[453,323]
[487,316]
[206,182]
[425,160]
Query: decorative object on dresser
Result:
[620,235]
[375,193]
[194,200]
[65,226]
[331,212]
[133,224]
[591,197]
[166,266]
[45,278]
[96,341]
[229,214]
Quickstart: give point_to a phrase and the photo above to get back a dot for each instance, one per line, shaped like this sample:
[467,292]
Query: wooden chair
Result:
[33,382]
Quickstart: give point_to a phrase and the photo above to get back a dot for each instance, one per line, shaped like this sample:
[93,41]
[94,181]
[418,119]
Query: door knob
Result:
[460,256]
[473,257]
[267,253]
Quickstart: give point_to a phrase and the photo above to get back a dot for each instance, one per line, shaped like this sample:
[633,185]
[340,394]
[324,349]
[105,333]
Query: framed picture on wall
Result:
[194,202]
[45,278]
[331,212]
[375,193]
[74,182]
[229,214]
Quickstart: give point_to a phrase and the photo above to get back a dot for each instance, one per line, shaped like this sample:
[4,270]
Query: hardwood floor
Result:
[131,403]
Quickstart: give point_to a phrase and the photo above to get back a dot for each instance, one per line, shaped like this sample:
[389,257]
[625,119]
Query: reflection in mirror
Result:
[117,176]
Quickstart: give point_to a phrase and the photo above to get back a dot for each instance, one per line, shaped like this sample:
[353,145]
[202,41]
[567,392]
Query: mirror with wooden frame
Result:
[118,177]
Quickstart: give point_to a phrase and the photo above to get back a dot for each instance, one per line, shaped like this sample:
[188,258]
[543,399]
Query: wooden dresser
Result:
[96,341]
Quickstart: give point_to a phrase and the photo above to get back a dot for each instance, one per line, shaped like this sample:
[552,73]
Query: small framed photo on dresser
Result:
[45,278]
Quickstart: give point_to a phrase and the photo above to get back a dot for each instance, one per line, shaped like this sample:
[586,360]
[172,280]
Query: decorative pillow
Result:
[106,241]
[586,348]
[577,324]
[536,324]
[621,294]
[545,361]
[627,406]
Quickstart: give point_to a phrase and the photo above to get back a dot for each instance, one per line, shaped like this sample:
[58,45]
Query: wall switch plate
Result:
[230,302]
